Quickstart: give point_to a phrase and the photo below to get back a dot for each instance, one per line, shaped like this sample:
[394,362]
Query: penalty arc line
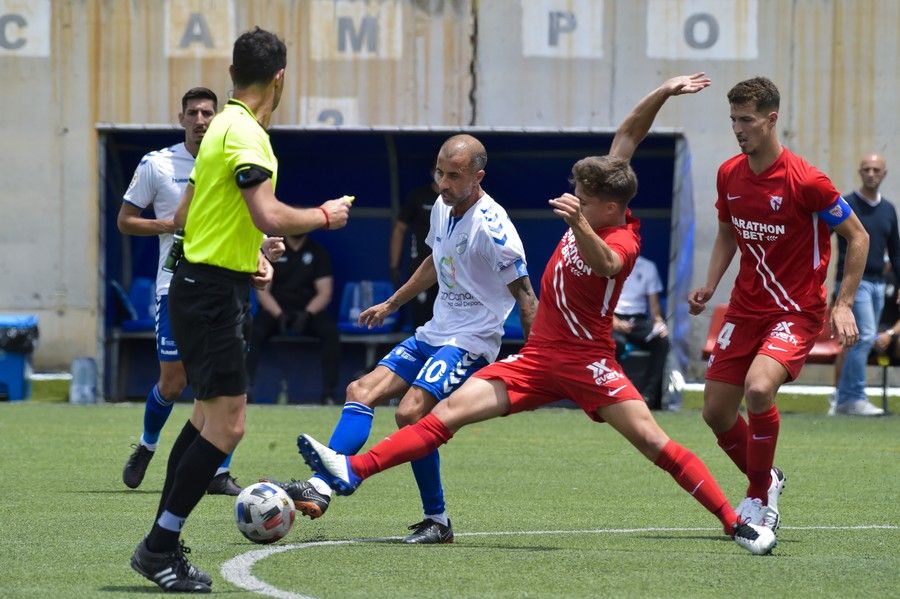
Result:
[237,570]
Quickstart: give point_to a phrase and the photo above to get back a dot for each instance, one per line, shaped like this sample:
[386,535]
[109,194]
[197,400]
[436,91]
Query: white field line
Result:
[237,570]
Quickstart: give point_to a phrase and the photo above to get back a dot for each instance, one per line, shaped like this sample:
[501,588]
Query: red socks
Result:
[761,452]
[734,443]
[407,444]
[693,476]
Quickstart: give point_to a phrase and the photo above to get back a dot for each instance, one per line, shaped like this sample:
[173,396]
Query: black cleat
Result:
[429,532]
[171,570]
[136,466]
[224,484]
[307,500]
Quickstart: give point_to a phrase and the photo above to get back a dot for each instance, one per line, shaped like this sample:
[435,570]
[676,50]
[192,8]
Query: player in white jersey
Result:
[158,182]
[479,264]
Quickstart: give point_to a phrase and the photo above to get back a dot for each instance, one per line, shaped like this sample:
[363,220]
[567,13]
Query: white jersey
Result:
[641,282]
[476,257]
[159,181]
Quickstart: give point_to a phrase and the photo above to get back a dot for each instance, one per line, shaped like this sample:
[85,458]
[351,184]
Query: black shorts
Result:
[209,310]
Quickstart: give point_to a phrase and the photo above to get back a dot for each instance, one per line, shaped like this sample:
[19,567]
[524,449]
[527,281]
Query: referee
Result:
[229,200]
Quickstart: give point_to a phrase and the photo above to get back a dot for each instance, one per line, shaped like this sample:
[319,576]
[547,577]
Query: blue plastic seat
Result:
[139,304]
[359,295]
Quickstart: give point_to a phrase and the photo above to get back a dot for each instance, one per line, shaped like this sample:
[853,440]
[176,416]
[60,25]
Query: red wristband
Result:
[327,220]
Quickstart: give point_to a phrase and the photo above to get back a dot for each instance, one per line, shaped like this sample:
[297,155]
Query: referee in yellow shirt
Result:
[229,201]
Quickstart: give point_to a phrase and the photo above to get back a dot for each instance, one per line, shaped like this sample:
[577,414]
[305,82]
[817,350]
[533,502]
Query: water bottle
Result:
[175,252]
[83,388]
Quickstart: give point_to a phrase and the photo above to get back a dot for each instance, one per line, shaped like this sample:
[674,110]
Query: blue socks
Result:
[427,471]
[156,412]
[352,430]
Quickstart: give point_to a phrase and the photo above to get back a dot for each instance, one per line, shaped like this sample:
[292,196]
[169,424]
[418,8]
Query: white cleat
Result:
[752,511]
[334,467]
[758,540]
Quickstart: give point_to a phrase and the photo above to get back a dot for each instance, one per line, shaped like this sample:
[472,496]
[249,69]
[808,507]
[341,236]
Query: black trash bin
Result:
[18,338]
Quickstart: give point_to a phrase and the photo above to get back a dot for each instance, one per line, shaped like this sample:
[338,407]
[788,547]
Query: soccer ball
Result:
[264,512]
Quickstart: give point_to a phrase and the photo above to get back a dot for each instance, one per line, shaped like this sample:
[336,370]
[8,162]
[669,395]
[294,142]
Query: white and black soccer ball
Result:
[264,512]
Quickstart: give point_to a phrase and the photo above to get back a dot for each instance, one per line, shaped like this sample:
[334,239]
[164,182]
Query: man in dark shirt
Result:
[879,218]
[415,216]
[297,303]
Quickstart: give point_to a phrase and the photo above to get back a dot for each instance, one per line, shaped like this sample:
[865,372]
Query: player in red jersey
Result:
[777,209]
[570,352]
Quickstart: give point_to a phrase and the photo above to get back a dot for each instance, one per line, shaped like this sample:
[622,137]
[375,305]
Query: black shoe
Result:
[429,532]
[224,484]
[171,570]
[136,466]
[307,500]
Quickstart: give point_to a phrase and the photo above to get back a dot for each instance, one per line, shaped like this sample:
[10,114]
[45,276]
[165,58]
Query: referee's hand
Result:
[338,212]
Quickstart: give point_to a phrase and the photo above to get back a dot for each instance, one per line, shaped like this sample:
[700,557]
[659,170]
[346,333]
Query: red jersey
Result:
[577,306]
[785,246]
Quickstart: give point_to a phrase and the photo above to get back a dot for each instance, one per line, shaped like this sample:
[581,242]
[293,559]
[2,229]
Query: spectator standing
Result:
[879,218]
[415,218]
[639,321]
[297,303]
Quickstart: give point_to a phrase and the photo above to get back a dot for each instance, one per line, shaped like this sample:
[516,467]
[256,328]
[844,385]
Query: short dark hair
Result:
[199,93]
[605,175]
[257,56]
[759,90]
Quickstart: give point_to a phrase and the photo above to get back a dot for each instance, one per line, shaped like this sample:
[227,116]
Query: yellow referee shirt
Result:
[219,230]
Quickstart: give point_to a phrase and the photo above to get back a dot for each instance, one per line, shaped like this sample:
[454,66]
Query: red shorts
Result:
[541,375]
[786,338]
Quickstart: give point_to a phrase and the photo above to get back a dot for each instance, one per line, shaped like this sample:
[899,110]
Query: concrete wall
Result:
[68,64]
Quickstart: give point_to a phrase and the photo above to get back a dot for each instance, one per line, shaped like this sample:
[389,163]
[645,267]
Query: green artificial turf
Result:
[545,504]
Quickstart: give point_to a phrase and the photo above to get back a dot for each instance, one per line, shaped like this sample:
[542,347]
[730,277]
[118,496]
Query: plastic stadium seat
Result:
[139,304]
[359,295]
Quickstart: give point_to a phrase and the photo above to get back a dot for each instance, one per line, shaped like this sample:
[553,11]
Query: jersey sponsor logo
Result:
[782,331]
[757,231]
[603,374]
[730,197]
[572,259]
[179,181]
[458,300]
[775,202]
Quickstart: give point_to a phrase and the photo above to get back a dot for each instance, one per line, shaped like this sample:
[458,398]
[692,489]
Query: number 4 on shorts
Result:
[724,338]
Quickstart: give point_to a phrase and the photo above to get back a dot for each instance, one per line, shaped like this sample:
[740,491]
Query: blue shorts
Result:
[437,370]
[165,342]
